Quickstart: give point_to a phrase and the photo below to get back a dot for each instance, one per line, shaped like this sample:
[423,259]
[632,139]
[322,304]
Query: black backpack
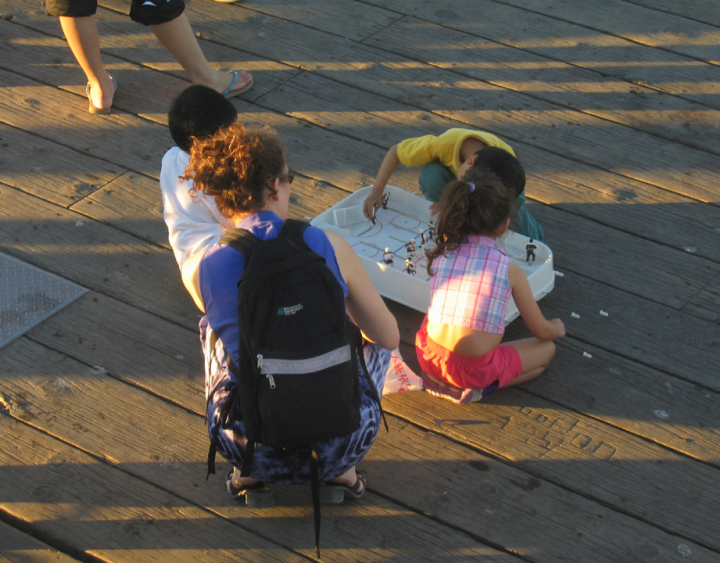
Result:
[297,378]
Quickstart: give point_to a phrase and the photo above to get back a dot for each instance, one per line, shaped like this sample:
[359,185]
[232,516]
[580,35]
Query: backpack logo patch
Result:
[287,311]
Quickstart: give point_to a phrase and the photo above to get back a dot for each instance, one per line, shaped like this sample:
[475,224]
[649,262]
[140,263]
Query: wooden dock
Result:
[613,106]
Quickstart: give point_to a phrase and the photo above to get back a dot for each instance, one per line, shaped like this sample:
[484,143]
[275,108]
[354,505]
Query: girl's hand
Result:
[559,327]
[372,203]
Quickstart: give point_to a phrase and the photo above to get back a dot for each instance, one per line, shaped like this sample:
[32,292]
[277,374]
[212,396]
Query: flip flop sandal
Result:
[230,93]
[96,110]
[256,495]
[334,493]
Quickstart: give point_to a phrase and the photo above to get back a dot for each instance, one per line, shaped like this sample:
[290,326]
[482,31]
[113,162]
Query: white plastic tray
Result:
[406,216]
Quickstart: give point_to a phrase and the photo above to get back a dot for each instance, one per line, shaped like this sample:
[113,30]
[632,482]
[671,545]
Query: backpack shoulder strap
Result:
[241,240]
[293,230]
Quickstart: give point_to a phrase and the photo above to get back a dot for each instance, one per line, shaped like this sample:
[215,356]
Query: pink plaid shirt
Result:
[470,287]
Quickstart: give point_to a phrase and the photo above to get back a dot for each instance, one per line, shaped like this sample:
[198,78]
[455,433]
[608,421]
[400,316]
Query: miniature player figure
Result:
[410,266]
[385,199]
[388,257]
[530,248]
[423,238]
[431,231]
[374,220]
[410,248]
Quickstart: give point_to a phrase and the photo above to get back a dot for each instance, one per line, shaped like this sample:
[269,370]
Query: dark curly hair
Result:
[235,166]
[463,212]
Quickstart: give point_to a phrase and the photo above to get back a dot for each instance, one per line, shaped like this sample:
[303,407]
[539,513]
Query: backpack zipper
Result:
[270,378]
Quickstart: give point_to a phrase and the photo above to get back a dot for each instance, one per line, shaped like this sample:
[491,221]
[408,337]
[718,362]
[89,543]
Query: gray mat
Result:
[28,296]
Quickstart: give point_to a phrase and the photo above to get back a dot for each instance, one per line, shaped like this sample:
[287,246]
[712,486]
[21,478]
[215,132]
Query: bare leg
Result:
[178,38]
[84,41]
[535,355]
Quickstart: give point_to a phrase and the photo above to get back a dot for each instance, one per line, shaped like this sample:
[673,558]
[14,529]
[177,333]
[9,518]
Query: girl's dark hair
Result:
[464,212]
[235,166]
[198,111]
[506,166]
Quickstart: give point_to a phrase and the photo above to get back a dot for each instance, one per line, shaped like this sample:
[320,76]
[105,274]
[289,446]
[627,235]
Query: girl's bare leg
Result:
[179,39]
[535,355]
[84,41]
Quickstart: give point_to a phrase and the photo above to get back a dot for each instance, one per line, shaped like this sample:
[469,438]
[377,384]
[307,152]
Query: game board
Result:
[406,220]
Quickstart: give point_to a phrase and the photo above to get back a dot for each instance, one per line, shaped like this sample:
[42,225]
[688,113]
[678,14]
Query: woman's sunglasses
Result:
[290,177]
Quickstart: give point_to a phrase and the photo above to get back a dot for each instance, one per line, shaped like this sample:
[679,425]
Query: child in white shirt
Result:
[194,222]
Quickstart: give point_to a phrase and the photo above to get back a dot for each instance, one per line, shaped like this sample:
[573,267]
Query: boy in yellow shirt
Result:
[445,157]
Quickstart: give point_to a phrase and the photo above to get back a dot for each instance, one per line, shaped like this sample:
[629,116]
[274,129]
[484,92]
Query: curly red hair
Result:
[235,166]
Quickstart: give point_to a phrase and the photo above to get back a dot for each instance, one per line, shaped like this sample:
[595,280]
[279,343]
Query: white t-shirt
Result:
[194,222]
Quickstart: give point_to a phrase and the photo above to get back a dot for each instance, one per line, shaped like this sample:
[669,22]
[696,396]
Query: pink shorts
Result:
[501,365]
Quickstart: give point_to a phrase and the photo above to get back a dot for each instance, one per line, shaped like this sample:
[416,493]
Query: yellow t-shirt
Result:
[444,148]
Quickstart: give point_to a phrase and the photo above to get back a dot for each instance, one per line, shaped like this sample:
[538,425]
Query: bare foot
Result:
[222,80]
[240,482]
[102,92]
[348,481]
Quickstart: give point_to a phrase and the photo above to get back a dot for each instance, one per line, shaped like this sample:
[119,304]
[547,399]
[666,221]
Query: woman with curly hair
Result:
[458,345]
[245,170]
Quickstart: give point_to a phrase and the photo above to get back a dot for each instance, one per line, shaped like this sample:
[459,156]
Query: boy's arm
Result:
[388,166]
[527,306]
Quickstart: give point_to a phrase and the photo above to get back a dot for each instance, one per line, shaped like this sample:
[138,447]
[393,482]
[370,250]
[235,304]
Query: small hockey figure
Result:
[385,199]
[423,238]
[374,220]
[431,231]
[410,248]
[410,267]
[530,248]
[388,257]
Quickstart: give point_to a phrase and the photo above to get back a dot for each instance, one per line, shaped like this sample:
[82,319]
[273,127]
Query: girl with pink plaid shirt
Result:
[458,345]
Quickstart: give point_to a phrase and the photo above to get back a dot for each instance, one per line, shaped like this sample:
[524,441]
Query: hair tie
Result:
[472,187]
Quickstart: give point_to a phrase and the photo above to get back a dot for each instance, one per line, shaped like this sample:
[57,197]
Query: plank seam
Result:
[48,539]
[635,41]
[494,454]
[105,461]
[685,17]
[509,462]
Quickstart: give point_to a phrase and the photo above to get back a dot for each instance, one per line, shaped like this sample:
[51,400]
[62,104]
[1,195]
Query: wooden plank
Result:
[344,160]
[330,15]
[575,452]
[509,114]
[604,197]
[49,170]
[18,547]
[706,303]
[704,11]
[29,44]
[173,454]
[93,255]
[563,42]
[485,496]
[649,333]
[121,139]
[667,409]
[67,401]
[132,203]
[79,419]
[625,19]
[691,412]
[595,251]
[566,85]
[95,508]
